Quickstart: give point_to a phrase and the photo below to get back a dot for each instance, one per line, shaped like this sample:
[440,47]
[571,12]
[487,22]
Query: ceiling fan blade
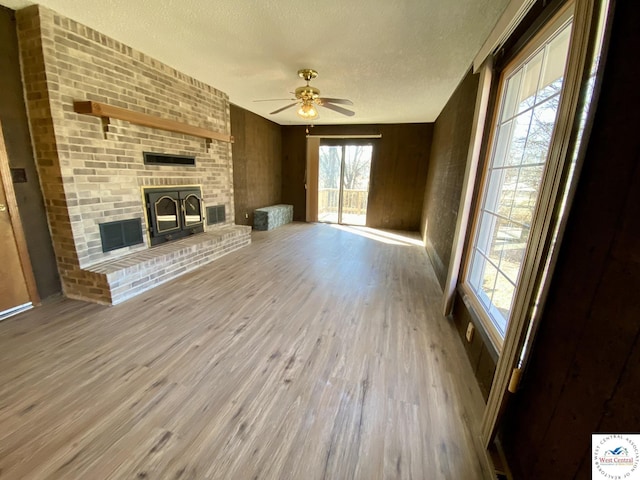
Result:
[339,101]
[284,108]
[274,100]
[338,109]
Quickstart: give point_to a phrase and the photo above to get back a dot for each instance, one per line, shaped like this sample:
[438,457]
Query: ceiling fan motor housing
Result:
[307,93]
[307,73]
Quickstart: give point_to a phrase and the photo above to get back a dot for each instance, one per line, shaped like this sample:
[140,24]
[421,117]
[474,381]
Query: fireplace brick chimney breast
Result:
[91,176]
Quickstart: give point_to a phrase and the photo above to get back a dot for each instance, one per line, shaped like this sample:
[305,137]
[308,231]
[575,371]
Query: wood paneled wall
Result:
[398,176]
[294,164]
[584,374]
[482,356]
[447,163]
[257,163]
[18,142]
[398,173]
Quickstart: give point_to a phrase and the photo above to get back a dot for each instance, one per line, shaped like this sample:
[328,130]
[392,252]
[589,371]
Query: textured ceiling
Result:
[397,60]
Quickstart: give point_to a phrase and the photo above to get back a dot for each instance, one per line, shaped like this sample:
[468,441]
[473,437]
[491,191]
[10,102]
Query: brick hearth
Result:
[135,273]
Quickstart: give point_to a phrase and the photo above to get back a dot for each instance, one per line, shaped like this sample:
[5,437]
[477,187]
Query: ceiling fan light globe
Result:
[307,111]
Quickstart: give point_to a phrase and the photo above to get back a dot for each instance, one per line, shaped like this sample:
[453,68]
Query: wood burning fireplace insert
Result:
[173,213]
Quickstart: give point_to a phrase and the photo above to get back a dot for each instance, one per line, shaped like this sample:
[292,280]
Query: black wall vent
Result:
[120,234]
[166,159]
[216,214]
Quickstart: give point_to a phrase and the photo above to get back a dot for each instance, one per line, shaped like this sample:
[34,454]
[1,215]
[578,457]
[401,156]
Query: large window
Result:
[528,102]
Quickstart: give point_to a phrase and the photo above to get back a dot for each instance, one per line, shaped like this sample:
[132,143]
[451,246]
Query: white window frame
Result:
[587,53]
[495,337]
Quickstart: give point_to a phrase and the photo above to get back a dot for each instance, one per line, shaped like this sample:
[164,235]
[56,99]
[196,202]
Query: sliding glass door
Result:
[343,182]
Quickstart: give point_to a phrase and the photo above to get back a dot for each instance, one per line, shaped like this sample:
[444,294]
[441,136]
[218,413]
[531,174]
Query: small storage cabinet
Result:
[268,218]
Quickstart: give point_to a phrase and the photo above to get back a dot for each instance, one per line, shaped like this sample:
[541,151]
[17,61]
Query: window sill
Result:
[479,319]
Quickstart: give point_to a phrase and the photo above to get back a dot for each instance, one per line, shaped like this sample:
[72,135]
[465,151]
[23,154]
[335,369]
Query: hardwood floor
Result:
[314,353]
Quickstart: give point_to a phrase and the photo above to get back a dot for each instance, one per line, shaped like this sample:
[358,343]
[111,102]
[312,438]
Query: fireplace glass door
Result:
[192,210]
[173,213]
[166,210]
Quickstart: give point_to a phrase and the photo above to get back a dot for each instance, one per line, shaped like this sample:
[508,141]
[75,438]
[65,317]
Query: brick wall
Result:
[88,179]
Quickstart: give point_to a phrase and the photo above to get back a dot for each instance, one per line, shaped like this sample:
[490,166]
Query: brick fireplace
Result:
[92,172]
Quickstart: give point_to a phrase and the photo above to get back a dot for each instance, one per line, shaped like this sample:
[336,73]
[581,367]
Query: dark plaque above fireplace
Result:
[173,213]
[166,159]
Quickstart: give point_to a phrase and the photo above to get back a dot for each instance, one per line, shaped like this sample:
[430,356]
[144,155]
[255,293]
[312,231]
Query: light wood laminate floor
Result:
[314,353]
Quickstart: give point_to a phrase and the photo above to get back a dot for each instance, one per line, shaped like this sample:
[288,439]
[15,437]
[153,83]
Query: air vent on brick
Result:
[123,233]
[215,215]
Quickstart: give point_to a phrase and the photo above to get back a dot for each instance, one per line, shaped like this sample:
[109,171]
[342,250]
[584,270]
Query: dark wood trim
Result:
[16,224]
[105,111]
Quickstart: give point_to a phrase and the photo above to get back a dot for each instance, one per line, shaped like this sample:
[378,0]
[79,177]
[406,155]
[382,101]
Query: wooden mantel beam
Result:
[105,111]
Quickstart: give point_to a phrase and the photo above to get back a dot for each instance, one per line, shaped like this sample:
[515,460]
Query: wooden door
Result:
[17,285]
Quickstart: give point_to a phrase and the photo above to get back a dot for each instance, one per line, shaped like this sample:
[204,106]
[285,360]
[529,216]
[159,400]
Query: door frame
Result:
[16,224]
[312,171]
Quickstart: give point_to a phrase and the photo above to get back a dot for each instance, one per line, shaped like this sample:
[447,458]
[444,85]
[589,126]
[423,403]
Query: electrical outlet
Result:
[470,330]
[246,215]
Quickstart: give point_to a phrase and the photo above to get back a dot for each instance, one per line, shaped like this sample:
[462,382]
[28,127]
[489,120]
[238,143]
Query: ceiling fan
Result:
[307,97]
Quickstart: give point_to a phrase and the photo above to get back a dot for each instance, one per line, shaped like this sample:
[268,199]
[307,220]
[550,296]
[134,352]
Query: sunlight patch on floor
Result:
[383,236]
